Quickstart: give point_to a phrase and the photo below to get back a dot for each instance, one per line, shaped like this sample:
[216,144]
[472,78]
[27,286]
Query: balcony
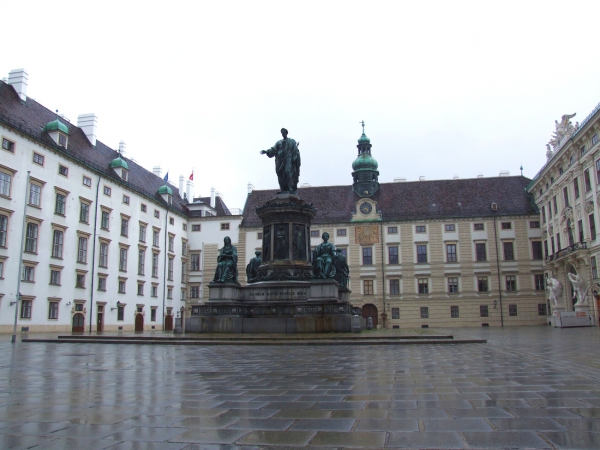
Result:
[566,251]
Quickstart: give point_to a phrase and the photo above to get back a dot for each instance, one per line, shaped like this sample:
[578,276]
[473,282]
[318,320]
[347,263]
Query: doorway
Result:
[100,319]
[168,322]
[78,323]
[370,310]
[139,322]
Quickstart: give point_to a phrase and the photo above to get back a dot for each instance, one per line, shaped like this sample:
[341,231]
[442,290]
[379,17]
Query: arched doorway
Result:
[78,323]
[168,322]
[139,322]
[370,310]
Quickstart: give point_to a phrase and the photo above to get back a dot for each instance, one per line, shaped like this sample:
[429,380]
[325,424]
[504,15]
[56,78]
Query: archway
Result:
[370,310]
[78,323]
[168,322]
[139,322]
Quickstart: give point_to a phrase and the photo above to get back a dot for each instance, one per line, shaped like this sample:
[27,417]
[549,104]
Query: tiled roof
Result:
[428,200]
[30,117]
[220,205]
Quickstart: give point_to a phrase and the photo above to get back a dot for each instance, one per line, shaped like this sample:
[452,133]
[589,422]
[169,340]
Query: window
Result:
[539,282]
[392,230]
[84,212]
[576,187]
[582,150]
[595,139]
[35,194]
[184,226]
[225,226]
[314,233]
[155,237]
[393,254]
[107,191]
[558,242]
[53,310]
[341,232]
[534,224]
[480,251]
[38,159]
[536,249]
[5,180]
[121,286]
[195,262]
[196,227]
[170,293]
[80,280]
[483,311]
[8,145]
[542,311]
[367,287]
[31,238]
[155,265]
[170,269]
[143,207]
[124,176]
[580,227]
[153,315]
[511,283]
[420,229]
[154,290]
[26,309]
[62,170]
[395,313]
[506,225]
[512,310]
[451,253]
[508,251]
[3,229]
[171,220]
[395,287]
[552,241]
[367,253]
[259,235]
[101,283]
[566,195]
[142,233]
[55,277]
[592,227]
[594,267]
[571,160]
[141,261]
[82,250]
[126,199]
[120,312]
[454,312]
[421,253]
[28,273]
[124,226]
[62,140]
[103,261]
[452,285]
[424,312]
[171,243]
[549,210]
[59,207]
[560,171]
[183,294]
[344,251]
[478,227]
[482,284]
[544,214]
[195,292]
[140,290]
[183,247]
[586,180]
[157,213]
[104,220]
[450,227]
[87,181]
[123,259]
[423,285]
[57,244]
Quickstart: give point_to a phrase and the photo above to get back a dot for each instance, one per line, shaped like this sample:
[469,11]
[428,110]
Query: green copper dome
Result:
[364,139]
[165,190]
[56,125]
[364,161]
[119,162]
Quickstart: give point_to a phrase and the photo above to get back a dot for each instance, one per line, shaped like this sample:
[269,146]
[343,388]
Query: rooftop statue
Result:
[563,128]
[227,263]
[287,162]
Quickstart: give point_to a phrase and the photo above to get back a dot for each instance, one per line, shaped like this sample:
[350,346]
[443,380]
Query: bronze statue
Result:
[281,243]
[227,263]
[287,162]
[299,243]
[342,272]
[323,256]
[252,267]
[267,243]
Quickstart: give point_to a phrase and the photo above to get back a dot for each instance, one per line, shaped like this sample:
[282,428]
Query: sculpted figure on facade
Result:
[554,288]
[287,162]
[342,272]
[578,292]
[252,267]
[227,263]
[281,243]
[563,128]
[323,257]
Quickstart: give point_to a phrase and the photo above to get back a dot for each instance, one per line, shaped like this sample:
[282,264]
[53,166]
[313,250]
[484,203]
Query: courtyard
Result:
[528,387]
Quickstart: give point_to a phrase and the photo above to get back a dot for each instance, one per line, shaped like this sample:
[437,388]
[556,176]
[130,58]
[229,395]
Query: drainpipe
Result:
[498,269]
[94,255]
[165,268]
[24,230]
[383,267]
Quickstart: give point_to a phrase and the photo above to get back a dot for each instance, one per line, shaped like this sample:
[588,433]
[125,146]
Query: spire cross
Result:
[363,125]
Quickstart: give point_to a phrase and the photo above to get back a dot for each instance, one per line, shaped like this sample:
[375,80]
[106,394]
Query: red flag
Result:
[192,176]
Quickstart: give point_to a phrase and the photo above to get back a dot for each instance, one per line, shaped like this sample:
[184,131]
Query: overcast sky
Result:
[445,88]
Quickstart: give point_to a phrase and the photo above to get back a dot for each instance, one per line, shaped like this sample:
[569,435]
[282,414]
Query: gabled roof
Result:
[30,118]
[426,200]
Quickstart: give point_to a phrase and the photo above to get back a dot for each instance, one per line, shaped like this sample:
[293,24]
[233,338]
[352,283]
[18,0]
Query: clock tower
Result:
[364,168]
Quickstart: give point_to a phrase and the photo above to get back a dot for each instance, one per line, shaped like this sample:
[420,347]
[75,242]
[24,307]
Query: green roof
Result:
[364,139]
[165,190]
[364,161]
[56,125]
[119,162]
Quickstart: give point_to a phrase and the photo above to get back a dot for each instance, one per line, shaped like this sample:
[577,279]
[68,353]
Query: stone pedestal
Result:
[556,310]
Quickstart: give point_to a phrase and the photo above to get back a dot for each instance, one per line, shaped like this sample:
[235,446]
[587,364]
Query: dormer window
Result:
[58,131]
[121,168]
[62,139]
[124,174]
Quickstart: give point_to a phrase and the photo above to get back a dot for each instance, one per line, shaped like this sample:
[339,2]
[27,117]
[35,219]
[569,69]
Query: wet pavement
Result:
[528,387]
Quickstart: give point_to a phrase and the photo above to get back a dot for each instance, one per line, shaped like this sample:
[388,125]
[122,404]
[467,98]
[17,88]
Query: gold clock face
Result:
[366,208]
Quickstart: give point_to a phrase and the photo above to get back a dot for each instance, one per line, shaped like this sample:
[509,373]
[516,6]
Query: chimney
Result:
[181,180]
[250,187]
[456,177]
[479,175]
[422,178]
[62,116]
[156,170]
[89,125]
[212,197]
[122,147]
[399,180]
[188,190]
[18,79]
[504,173]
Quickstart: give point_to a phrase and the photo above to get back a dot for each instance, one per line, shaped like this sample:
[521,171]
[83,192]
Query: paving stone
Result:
[360,439]
[429,413]
[590,413]
[556,403]
[504,439]
[477,412]
[535,424]
[209,436]
[141,445]
[261,424]
[582,425]
[360,414]
[387,425]
[319,424]
[425,440]
[455,425]
[286,438]
[303,414]
[541,412]
[573,440]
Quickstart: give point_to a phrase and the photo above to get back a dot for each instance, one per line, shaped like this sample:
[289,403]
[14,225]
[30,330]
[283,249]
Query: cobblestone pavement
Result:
[528,387]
